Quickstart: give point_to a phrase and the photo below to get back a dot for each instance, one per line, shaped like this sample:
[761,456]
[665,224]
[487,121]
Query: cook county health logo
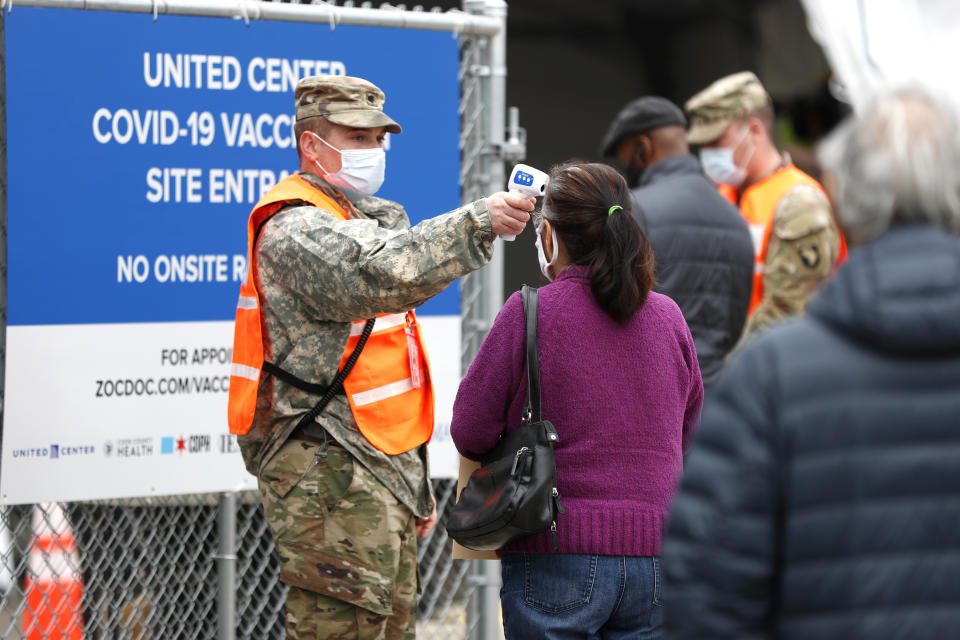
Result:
[129,448]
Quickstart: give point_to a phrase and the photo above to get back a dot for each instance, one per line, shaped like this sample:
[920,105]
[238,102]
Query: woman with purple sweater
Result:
[621,384]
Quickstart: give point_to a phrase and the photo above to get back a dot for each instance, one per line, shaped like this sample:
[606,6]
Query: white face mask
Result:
[361,170]
[719,166]
[542,258]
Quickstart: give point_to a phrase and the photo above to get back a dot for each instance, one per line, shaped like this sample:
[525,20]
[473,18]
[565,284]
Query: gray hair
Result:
[896,164]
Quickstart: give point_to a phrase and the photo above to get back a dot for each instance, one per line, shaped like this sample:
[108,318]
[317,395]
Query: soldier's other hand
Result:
[424,526]
[509,212]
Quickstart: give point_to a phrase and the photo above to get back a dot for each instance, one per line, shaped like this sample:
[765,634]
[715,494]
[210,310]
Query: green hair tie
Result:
[615,207]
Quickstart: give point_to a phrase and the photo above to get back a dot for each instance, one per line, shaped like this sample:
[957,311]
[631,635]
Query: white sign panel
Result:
[135,151]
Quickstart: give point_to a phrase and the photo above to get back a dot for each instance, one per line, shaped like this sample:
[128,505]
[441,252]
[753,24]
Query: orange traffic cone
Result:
[52,587]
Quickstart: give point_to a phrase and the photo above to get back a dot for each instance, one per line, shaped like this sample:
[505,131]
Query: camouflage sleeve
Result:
[353,269]
[803,247]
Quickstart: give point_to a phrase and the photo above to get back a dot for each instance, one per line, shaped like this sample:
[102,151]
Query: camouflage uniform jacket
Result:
[315,275]
[803,248]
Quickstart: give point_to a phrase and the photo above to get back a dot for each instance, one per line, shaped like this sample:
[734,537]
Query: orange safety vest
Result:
[757,204]
[389,388]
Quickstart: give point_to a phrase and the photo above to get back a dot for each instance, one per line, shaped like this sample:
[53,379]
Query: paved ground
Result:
[452,626]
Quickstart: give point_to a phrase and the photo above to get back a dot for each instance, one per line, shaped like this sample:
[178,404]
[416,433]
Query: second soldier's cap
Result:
[639,116]
[712,110]
[352,102]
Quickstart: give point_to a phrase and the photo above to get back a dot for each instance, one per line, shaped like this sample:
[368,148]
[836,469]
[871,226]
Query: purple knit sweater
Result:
[624,400]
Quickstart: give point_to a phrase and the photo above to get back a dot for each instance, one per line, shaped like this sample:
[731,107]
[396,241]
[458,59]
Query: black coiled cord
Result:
[334,387]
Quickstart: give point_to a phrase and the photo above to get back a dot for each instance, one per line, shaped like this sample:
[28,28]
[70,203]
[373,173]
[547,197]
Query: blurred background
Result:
[573,64]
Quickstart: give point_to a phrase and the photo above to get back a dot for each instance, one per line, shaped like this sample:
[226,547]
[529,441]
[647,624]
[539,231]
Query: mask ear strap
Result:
[320,138]
[553,241]
[317,162]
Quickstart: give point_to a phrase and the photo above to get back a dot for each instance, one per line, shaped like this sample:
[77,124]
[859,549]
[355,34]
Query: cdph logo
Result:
[198,444]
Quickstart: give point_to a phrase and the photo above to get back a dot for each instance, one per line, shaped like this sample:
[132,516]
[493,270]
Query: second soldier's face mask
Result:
[361,170]
[719,165]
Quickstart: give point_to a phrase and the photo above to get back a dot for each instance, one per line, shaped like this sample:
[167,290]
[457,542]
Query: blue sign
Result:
[136,149]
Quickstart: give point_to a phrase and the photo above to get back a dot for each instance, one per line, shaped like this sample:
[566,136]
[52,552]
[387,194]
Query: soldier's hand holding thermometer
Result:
[528,182]
[509,212]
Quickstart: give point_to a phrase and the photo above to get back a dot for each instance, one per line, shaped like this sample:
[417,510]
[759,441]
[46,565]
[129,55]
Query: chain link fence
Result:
[147,568]
[140,569]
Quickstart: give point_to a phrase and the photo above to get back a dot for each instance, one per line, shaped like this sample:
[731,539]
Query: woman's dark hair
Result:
[577,203]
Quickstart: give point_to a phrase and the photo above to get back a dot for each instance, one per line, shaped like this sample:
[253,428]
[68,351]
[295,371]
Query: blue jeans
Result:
[569,595]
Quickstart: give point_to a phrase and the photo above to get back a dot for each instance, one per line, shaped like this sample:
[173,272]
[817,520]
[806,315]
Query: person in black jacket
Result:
[821,498]
[701,244]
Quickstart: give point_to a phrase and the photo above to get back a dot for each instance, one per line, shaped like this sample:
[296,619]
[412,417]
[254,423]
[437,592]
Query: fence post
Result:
[227,567]
[486,573]
[496,103]
[489,623]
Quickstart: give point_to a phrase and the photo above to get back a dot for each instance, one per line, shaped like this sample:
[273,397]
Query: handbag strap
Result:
[531,407]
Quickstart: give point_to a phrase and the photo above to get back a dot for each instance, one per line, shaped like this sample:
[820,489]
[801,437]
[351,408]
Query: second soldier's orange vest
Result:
[389,388]
[757,204]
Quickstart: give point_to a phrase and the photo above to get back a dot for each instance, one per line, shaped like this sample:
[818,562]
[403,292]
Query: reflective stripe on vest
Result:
[758,203]
[389,388]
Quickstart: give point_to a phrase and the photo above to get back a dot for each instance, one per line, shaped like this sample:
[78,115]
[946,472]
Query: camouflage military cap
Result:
[352,102]
[712,110]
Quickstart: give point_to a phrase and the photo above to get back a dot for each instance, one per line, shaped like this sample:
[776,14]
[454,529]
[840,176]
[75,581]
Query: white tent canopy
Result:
[873,44]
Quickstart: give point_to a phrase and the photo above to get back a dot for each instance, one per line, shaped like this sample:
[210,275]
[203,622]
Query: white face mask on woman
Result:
[361,170]
[719,166]
[542,258]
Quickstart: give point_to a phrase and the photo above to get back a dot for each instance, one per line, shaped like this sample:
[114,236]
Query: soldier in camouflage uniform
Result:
[796,240]
[344,515]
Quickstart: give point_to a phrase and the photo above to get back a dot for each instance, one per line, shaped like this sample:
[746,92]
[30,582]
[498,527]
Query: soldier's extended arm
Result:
[347,270]
[804,244]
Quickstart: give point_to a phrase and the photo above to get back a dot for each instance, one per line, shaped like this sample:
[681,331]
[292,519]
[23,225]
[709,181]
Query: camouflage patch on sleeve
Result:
[804,245]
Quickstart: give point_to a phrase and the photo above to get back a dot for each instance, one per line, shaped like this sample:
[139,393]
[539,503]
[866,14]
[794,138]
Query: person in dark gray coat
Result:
[821,498]
[701,244]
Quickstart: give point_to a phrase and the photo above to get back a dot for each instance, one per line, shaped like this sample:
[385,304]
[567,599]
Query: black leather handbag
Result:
[514,493]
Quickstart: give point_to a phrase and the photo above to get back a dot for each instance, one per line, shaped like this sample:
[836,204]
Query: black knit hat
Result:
[639,116]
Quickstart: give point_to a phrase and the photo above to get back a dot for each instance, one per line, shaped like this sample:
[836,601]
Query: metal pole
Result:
[496,121]
[486,573]
[489,627]
[248,10]
[227,567]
